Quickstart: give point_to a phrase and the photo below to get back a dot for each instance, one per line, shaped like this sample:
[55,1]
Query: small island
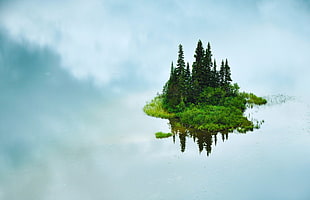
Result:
[203,97]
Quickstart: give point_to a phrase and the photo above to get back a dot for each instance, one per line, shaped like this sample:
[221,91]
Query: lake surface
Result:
[81,145]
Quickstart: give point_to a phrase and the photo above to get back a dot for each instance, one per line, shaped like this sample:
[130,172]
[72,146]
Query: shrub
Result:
[213,118]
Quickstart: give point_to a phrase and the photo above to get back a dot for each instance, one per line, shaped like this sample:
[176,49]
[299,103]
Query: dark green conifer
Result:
[180,73]
[227,73]
[180,61]
[207,65]
[214,76]
[174,98]
[227,78]
[197,71]
[166,86]
[222,75]
[188,84]
[188,74]
[171,69]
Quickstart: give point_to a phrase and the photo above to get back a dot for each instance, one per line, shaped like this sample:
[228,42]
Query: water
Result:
[106,149]
[67,140]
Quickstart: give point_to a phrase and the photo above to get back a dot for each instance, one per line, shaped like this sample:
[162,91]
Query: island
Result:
[202,97]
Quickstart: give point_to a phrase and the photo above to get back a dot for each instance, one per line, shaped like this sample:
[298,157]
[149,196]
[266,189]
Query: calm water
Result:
[95,148]
[64,139]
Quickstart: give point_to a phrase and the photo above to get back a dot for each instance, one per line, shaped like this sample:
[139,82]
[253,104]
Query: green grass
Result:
[253,99]
[213,118]
[155,109]
[162,135]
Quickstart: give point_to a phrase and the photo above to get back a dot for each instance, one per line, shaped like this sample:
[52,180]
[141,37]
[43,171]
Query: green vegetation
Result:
[162,135]
[253,99]
[155,109]
[214,118]
[203,97]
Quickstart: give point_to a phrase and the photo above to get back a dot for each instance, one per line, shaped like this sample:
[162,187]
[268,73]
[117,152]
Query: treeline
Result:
[200,83]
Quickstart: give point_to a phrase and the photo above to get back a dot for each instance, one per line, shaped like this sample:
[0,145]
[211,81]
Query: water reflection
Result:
[204,139]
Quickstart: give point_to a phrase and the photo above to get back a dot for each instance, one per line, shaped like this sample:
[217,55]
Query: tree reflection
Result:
[203,139]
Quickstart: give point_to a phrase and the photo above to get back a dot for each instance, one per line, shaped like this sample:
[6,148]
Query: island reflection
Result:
[204,139]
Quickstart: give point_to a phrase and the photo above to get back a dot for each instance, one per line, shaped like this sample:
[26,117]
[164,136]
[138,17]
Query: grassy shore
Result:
[155,109]
[212,118]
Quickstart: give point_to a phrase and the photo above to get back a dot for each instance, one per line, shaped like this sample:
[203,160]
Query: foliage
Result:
[253,99]
[155,109]
[176,89]
[214,118]
[162,135]
[203,98]
[186,87]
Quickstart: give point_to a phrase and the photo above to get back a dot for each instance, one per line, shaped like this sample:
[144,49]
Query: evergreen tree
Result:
[166,86]
[207,65]
[188,75]
[222,75]
[169,90]
[227,78]
[214,76]
[188,84]
[181,62]
[205,81]
[227,73]
[197,71]
[174,98]
[180,73]
[171,70]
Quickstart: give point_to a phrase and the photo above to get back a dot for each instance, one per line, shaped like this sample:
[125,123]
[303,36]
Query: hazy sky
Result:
[119,43]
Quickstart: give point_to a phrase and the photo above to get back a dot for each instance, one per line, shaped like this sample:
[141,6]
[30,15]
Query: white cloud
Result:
[97,40]
[90,44]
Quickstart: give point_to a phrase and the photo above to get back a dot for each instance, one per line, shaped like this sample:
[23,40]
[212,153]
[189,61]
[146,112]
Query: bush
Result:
[214,118]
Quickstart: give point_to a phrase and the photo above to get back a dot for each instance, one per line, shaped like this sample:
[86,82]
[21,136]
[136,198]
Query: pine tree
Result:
[188,75]
[214,76]
[222,75]
[207,75]
[166,86]
[227,77]
[181,62]
[188,84]
[197,71]
[174,97]
[171,69]
[184,87]
[169,89]
[227,73]
[180,73]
